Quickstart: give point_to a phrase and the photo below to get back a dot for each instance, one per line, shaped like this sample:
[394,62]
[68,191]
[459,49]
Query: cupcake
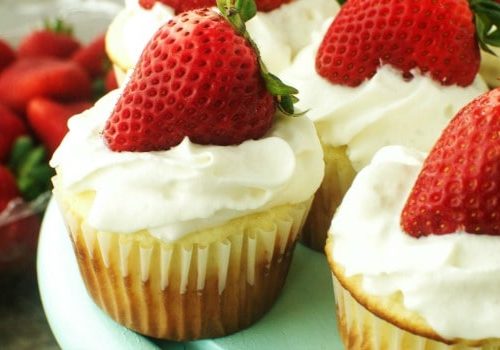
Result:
[413,248]
[281,28]
[185,192]
[369,83]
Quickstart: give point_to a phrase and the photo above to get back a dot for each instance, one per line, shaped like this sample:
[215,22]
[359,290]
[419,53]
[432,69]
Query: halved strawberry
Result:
[458,188]
[49,119]
[28,78]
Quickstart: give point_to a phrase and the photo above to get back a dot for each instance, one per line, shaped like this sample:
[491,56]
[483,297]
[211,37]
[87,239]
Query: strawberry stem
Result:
[57,26]
[29,164]
[487,19]
[237,12]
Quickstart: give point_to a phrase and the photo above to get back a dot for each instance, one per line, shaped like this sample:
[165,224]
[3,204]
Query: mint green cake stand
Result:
[302,318]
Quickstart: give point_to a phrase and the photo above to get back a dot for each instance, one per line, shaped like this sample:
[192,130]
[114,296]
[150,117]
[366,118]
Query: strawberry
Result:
[55,40]
[186,5]
[7,55]
[33,77]
[92,57]
[11,127]
[8,187]
[437,37]
[458,188]
[110,82]
[198,77]
[49,119]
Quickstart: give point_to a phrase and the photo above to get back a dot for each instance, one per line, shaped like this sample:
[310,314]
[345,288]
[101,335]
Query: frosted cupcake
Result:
[368,83]
[413,248]
[281,28]
[185,192]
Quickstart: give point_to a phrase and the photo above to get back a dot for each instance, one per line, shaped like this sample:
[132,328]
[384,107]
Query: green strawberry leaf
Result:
[29,164]
[247,9]
[277,87]
[237,12]
[58,26]
[487,20]
[20,151]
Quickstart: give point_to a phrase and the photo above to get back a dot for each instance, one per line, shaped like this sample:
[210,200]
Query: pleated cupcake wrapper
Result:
[188,291]
[339,175]
[362,330]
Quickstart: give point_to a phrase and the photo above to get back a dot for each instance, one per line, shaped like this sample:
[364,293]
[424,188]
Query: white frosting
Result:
[382,111]
[132,29]
[189,187]
[452,280]
[280,34]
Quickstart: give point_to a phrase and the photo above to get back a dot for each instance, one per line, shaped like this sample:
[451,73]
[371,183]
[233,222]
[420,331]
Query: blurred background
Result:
[52,65]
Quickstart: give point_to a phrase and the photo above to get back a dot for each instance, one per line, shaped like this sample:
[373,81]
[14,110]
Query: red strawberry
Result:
[49,119]
[186,5]
[110,81]
[8,187]
[55,40]
[11,127]
[198,78]
[7,55]
[459,185]
[33,77]
[435,36]
[92,57]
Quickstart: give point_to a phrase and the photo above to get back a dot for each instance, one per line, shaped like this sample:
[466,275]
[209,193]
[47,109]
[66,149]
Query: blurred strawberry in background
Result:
[48,78]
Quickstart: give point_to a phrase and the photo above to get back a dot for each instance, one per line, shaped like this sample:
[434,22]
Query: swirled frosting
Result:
[280,34]
[384,110]
[452,281]
[189,187]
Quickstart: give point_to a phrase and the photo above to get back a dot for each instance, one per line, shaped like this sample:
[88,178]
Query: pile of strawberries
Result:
[50,77]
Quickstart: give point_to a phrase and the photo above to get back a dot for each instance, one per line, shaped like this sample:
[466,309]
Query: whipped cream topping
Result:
[452,281]
[132,29]
[189,187]
[384,110]
[280,34]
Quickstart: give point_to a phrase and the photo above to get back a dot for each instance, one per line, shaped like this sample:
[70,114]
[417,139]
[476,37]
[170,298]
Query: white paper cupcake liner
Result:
[360,329]
[184,291]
